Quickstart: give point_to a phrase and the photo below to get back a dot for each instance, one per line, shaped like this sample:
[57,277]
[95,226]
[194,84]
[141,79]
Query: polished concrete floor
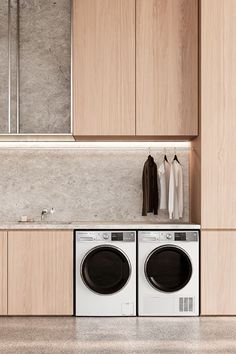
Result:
[117,335]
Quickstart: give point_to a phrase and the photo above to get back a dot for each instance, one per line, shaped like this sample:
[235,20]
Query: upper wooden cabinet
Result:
[167,67]
[104,67]
[40,272]
[218,113]
[3,273]
[135,67]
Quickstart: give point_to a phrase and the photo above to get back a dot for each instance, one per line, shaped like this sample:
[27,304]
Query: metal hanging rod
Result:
[115,146]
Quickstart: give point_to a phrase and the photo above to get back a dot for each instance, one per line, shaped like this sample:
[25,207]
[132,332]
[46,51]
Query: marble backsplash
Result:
[82,185]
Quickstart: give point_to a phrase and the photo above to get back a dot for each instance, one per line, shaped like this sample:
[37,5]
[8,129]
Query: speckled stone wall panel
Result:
[45,56]
[82,185]
[3,65]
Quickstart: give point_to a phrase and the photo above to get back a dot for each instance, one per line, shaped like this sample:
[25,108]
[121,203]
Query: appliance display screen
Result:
[180,236]
[117,236]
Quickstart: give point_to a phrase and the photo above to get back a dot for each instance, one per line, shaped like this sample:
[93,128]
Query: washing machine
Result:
[168,273]
[105,273]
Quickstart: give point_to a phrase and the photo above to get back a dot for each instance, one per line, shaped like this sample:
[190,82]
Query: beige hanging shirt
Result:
[164,177]
[176,192]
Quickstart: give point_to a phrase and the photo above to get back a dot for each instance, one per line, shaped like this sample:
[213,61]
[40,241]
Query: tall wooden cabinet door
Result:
[218,113]
[104,67]
[218,273]
[40,273]
[167,67]
[3,273]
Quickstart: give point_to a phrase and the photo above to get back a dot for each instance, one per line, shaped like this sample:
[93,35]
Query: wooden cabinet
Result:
[3,273]
[218,273]
[167,67]
[104,67]
[218,148]
[218,113]
[147,88]
[40,272]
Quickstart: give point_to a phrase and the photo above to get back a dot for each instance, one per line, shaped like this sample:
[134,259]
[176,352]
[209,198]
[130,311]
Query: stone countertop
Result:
[59,225]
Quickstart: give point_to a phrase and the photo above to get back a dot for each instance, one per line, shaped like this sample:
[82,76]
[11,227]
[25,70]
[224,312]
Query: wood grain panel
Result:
[3,273]
[104,67]
[218,273]
[218,113]
[167,67]
[195,181]
[40,273]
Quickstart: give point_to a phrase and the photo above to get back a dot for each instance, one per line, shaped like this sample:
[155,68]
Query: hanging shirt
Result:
[164,176]
[176,191]
[149,183]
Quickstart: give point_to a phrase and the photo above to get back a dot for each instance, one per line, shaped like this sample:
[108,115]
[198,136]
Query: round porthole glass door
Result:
[105,270]
[168,268]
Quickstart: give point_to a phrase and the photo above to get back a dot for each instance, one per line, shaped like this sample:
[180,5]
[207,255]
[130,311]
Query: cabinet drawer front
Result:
[218,273]
[104,67]
[218,112]
[167,67]
[40,273]
[3,273]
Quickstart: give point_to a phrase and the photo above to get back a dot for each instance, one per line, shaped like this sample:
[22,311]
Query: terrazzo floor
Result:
[41,335]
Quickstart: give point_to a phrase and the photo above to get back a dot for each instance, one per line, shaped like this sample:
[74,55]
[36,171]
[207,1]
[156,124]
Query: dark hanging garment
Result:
[150,191]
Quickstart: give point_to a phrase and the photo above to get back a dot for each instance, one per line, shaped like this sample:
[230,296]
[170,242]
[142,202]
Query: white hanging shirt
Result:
[176,204]
[164,176]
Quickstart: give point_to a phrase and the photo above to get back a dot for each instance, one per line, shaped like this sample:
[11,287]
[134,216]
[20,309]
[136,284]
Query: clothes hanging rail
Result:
[157,146]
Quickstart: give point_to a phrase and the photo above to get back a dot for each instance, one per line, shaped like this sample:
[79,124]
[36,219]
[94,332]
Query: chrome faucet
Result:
[46,211]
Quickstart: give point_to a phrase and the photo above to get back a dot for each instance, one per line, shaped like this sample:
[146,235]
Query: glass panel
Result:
[105,270]
[45,57]
[168,269]
[43,46]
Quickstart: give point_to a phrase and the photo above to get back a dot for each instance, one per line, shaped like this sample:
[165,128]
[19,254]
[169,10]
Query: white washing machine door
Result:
[168,268]
[105,269]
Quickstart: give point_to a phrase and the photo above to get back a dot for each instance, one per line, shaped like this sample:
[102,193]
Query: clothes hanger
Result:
[149,152]
[165,157]
[150,158]
[175,157]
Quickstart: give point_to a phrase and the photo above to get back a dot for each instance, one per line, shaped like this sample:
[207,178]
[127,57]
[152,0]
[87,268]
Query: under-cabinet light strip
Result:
[97,145]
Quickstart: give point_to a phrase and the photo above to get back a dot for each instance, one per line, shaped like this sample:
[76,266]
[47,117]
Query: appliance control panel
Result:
[168,235]
[109,236]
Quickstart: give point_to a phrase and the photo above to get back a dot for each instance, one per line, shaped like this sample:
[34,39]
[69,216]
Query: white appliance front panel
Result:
[121,303]
[153,302]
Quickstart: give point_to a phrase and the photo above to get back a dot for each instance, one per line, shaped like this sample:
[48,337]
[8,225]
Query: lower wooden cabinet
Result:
[40,273]
[3,273]
[218,273]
